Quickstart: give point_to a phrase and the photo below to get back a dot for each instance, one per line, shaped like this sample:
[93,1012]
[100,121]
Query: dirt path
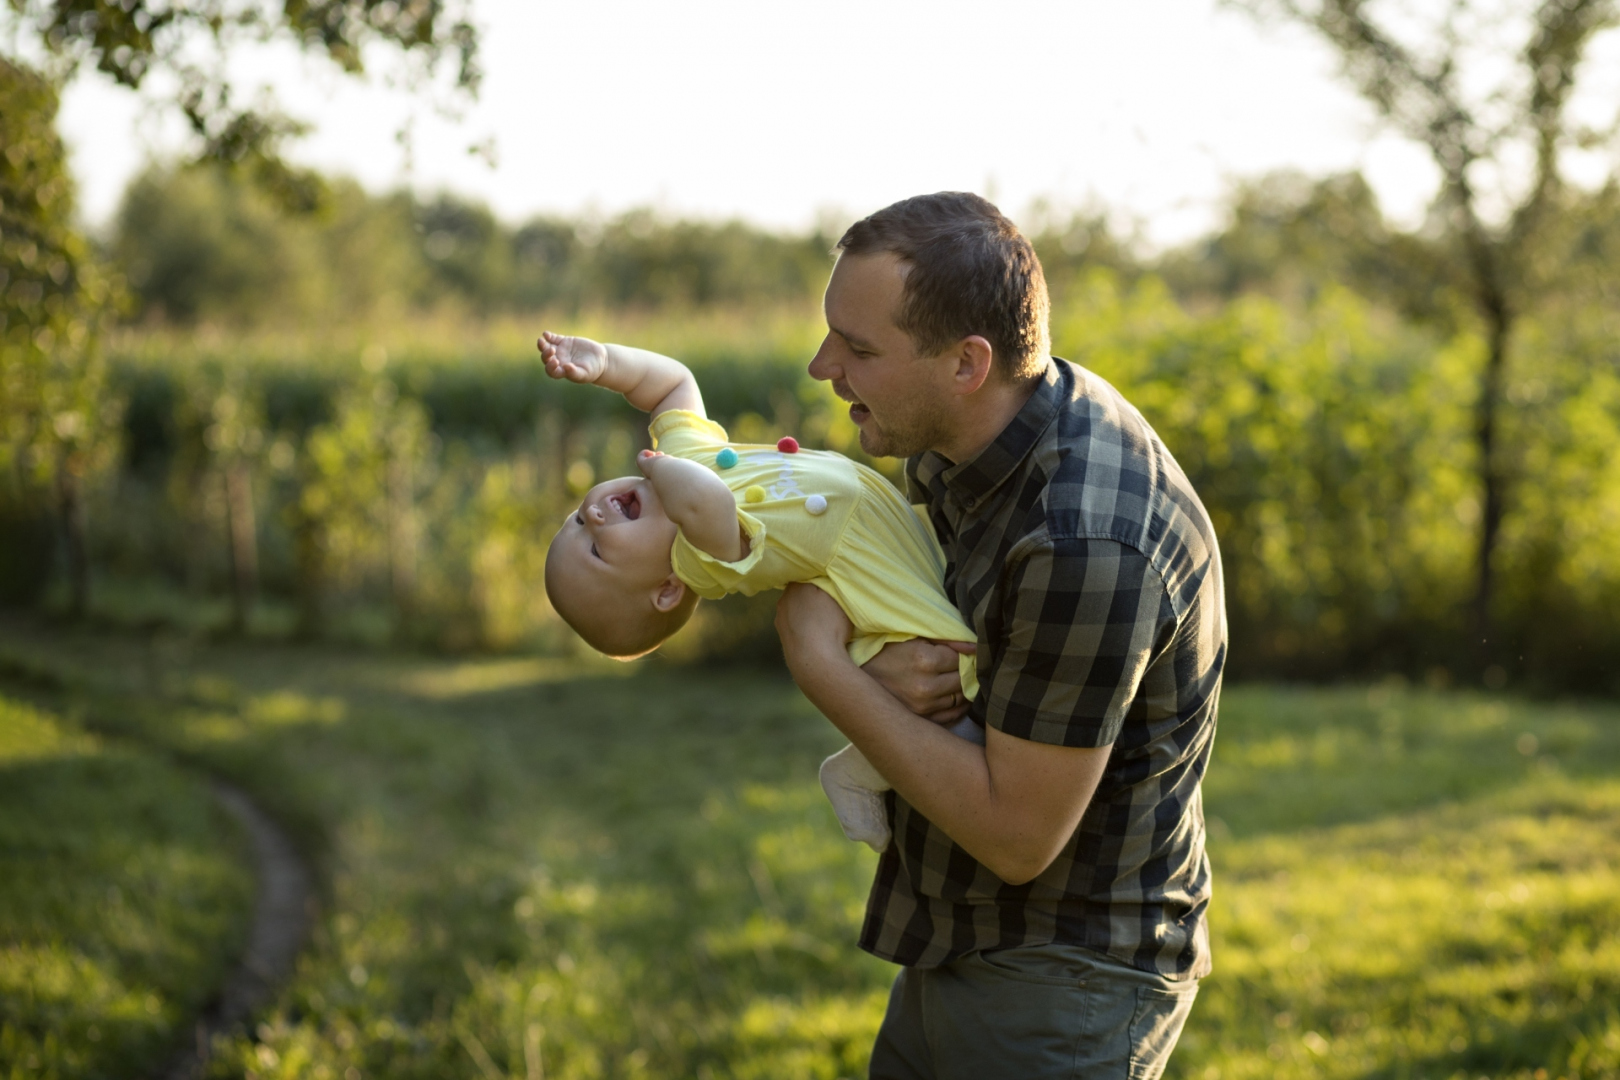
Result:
[281,913]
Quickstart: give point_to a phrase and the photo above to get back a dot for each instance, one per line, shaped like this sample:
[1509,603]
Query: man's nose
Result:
[822,366]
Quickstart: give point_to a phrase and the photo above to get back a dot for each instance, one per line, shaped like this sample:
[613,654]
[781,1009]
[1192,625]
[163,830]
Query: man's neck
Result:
[984,415]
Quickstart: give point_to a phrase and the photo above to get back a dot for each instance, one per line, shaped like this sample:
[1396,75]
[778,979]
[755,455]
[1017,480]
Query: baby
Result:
[707,518]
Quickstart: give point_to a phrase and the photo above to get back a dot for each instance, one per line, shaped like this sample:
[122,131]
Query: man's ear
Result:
[974,358]
[669,593]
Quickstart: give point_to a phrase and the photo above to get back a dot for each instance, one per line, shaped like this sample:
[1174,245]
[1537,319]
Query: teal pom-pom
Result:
[726,458]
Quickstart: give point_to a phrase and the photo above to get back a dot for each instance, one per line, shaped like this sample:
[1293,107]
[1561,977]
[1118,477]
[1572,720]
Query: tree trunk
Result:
[1499,328]
[402,542]
[309,569]
[70,507]
[244,543]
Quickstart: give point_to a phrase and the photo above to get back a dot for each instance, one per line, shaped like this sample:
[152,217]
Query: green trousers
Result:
[1043,1012]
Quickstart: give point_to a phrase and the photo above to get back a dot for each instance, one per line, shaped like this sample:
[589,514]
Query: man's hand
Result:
[925,676]
[576,359]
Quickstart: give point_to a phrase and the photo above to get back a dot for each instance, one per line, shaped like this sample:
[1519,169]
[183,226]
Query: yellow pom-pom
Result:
[755,493]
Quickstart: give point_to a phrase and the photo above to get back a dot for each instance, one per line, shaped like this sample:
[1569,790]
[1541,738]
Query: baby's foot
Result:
[865,819]
[861,811]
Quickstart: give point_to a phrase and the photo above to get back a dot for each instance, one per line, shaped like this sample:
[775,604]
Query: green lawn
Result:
[544,868]
[123,892]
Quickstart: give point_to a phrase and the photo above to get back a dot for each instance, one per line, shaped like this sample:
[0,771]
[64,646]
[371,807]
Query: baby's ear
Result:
[669,594]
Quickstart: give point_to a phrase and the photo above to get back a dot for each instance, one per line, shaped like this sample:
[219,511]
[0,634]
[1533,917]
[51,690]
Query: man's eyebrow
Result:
[854,340]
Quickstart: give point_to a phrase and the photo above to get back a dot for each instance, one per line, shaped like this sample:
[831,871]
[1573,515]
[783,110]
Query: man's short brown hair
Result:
[971,272]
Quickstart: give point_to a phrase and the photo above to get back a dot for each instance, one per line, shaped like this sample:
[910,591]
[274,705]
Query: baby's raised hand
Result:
[576,359]
[647,461]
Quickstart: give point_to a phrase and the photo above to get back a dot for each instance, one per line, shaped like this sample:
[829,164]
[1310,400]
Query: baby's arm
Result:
[699,502]
[651,382]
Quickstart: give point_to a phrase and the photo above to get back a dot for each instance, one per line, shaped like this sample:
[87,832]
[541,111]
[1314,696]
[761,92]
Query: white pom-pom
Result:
[816,504]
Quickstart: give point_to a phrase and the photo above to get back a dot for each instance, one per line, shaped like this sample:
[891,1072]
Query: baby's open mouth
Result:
[628,504]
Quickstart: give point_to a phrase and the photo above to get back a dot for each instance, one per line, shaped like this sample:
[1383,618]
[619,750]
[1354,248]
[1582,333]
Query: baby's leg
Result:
[855,790]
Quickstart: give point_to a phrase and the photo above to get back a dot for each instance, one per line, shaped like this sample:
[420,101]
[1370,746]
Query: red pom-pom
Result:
[788,444]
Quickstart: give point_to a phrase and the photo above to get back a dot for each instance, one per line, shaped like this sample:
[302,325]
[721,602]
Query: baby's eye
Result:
[598,554]
[577,519]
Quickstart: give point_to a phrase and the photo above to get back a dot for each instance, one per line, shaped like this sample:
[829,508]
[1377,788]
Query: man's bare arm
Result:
[1011,804]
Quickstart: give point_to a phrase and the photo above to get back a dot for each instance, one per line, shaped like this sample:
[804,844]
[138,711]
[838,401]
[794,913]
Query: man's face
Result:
[898,399]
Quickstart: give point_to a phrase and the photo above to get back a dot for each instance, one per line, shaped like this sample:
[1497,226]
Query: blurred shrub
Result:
[403,473]
[1333,450]
[421,482]
[410,487]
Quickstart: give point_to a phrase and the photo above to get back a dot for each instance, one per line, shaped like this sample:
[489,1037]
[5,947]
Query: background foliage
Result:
[332,423]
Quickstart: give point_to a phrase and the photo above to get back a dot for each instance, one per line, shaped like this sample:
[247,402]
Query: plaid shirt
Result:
[1080,555]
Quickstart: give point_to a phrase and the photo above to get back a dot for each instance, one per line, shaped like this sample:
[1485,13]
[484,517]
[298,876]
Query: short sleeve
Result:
[1081,622]
[685,434]
[712,578]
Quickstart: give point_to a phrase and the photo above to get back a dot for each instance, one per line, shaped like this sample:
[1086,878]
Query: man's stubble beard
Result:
[908,436]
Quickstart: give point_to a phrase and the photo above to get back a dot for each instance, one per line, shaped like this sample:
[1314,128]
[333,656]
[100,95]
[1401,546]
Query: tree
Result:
[1501,228]
[191,42]
[1289,237]
[51,296]
[50,377]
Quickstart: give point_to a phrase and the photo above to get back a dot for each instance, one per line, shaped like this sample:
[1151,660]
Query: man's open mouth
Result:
[857,409]
[628,504]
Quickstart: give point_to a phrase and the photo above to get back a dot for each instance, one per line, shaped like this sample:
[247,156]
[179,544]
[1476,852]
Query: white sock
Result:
[855,790]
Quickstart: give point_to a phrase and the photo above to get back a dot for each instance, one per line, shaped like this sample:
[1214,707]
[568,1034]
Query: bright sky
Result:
[778,112]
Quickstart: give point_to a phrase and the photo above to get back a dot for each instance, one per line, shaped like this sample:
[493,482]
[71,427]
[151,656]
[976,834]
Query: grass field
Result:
[534,868]
[123,893]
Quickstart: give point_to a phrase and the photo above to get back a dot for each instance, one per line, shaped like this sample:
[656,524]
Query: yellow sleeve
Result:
[712,578]
[684,434]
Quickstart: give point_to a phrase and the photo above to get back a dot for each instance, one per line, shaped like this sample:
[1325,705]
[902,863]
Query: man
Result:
[1045,892]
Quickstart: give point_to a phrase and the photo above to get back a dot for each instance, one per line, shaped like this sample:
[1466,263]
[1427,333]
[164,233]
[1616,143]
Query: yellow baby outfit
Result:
[819,517]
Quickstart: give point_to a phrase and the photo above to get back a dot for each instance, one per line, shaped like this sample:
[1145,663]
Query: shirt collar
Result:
[974,479]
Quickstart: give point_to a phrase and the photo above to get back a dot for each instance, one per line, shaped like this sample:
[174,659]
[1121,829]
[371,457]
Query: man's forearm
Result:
[1014,829]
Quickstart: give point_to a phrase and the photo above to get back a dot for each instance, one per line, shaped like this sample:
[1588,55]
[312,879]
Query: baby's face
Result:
[618,540]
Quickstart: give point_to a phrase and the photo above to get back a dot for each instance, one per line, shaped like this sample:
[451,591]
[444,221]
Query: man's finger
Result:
[937,659]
